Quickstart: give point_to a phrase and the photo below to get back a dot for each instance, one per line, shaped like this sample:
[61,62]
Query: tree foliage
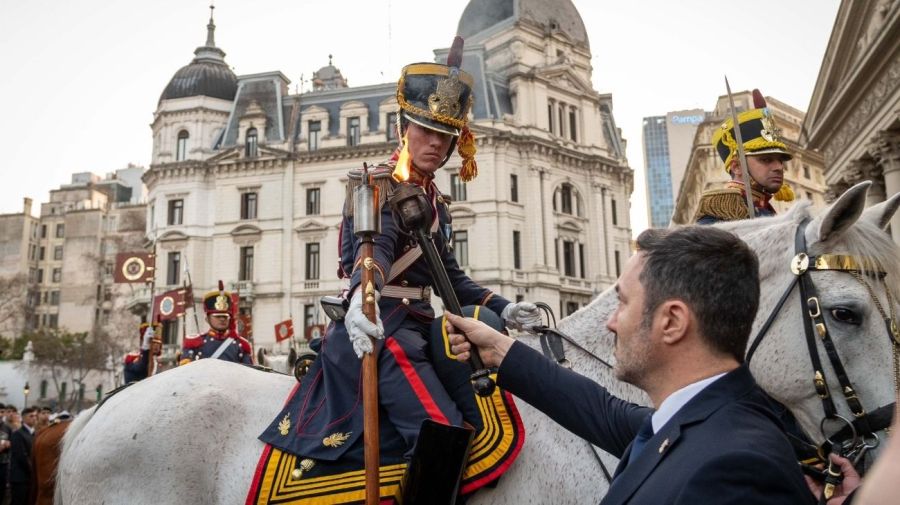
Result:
[13,297]
[69,357]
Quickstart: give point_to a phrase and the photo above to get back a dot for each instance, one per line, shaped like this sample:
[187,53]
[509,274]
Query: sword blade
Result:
[742,156]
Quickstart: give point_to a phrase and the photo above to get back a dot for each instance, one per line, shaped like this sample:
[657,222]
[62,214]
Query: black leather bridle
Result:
[864,426]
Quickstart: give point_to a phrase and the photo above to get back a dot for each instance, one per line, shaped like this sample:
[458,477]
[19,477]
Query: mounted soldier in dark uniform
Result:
[322,422]
[766,156]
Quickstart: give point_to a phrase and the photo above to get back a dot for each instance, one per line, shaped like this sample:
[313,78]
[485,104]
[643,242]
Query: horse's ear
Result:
[292,358]
[843,212]
[880,214]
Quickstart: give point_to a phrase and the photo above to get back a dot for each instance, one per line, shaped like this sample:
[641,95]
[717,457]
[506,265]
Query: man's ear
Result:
[736,170]
[675,320]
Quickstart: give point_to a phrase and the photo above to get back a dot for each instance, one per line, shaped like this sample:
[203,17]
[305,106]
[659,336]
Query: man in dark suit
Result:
[20,458]
[687,301]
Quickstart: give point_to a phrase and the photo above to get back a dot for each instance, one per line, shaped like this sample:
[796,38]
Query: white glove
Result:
[359,327]
[521,316]
[148,336]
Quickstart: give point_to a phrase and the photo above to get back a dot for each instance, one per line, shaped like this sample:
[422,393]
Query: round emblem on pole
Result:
[133,268]
[282,331]
[315,331]
[167,306]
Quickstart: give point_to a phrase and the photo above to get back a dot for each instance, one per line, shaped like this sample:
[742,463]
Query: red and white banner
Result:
[284,330]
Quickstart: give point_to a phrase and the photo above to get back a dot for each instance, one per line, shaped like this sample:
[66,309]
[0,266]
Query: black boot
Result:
[437,465]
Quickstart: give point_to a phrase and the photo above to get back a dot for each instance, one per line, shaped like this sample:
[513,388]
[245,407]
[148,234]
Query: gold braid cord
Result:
[725,204]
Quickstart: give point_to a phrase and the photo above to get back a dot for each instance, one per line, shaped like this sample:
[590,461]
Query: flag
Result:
[244,326]
[187,296]
[169,305]
[284,330]
[314,331]
[134,267]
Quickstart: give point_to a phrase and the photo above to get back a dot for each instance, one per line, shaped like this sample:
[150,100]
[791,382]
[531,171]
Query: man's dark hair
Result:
[28,410]
[713,271]
[46,409]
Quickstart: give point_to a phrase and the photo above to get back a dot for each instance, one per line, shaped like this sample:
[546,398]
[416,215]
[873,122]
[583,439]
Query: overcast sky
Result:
[81,79]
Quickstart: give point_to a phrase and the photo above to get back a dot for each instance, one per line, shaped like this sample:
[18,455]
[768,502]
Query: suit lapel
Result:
[628,481]
[734,384]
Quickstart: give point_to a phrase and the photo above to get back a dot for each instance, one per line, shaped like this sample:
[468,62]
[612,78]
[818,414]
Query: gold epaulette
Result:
[727,204]
[383,180]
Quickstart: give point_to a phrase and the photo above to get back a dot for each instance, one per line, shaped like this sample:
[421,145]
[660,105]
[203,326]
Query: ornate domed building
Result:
[247,180]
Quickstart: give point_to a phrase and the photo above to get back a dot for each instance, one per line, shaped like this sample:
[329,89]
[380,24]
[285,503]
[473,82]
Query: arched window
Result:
[250,150]
[181,147]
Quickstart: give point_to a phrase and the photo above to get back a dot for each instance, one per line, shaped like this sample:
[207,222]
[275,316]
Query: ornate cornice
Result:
[873,100]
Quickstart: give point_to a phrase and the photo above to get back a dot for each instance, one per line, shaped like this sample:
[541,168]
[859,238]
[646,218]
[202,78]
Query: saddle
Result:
[483,453]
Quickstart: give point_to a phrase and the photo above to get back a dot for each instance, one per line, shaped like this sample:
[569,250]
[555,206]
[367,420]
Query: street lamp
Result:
[26,390]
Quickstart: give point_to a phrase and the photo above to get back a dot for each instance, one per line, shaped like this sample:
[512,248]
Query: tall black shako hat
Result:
[218,301]
[439,97]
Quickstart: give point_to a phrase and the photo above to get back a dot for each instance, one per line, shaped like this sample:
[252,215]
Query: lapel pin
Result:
[663,446]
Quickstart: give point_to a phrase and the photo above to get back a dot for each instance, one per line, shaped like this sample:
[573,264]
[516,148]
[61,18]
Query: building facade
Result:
[705,170]
[247,181]
[68,254]
[667,147]
[19,249]
[854,113]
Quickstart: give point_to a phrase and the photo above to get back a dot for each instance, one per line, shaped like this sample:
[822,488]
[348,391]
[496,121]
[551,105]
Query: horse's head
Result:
[853,266]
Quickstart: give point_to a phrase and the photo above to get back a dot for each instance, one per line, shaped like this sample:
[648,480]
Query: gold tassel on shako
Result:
[784,194]
[465,146]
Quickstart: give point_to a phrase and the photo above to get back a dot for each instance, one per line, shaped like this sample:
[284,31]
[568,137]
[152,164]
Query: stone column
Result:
[865,169]
[886,151]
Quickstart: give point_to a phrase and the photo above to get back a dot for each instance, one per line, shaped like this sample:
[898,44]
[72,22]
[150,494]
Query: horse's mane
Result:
[863,239]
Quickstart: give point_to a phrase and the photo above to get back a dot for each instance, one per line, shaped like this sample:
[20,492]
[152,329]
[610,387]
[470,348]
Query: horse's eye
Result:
[845,315]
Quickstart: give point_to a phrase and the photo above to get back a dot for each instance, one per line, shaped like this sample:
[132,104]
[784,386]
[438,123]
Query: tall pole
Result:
[366,225]
[151,358]
[187,274]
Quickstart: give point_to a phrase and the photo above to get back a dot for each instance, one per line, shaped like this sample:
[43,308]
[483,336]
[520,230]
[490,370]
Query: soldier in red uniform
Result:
[222,340]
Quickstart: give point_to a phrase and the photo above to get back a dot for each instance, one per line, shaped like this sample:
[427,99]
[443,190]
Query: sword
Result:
[742,156]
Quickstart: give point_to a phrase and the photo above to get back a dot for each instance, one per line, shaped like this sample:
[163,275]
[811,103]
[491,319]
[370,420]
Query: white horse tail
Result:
[72,432]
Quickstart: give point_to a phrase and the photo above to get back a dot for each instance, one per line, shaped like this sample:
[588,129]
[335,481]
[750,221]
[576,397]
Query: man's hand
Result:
[521,316]
[359,327]
[492,345]
[851,481]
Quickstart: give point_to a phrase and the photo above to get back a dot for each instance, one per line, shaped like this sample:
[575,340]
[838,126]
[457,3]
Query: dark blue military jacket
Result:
[329,400]
[136,365]
[205,345]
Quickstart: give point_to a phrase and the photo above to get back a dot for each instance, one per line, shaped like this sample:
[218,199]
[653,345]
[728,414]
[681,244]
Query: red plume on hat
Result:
[759,102]
[454,59]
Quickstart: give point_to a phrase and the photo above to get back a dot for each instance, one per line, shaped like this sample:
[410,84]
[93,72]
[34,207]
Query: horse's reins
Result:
[551,344]
[864,425]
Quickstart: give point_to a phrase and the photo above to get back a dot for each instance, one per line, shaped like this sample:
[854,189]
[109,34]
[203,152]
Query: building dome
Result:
[206,75]
[328,77]
[559,15]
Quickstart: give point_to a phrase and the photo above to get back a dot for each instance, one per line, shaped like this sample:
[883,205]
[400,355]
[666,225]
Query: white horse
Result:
[189,435]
